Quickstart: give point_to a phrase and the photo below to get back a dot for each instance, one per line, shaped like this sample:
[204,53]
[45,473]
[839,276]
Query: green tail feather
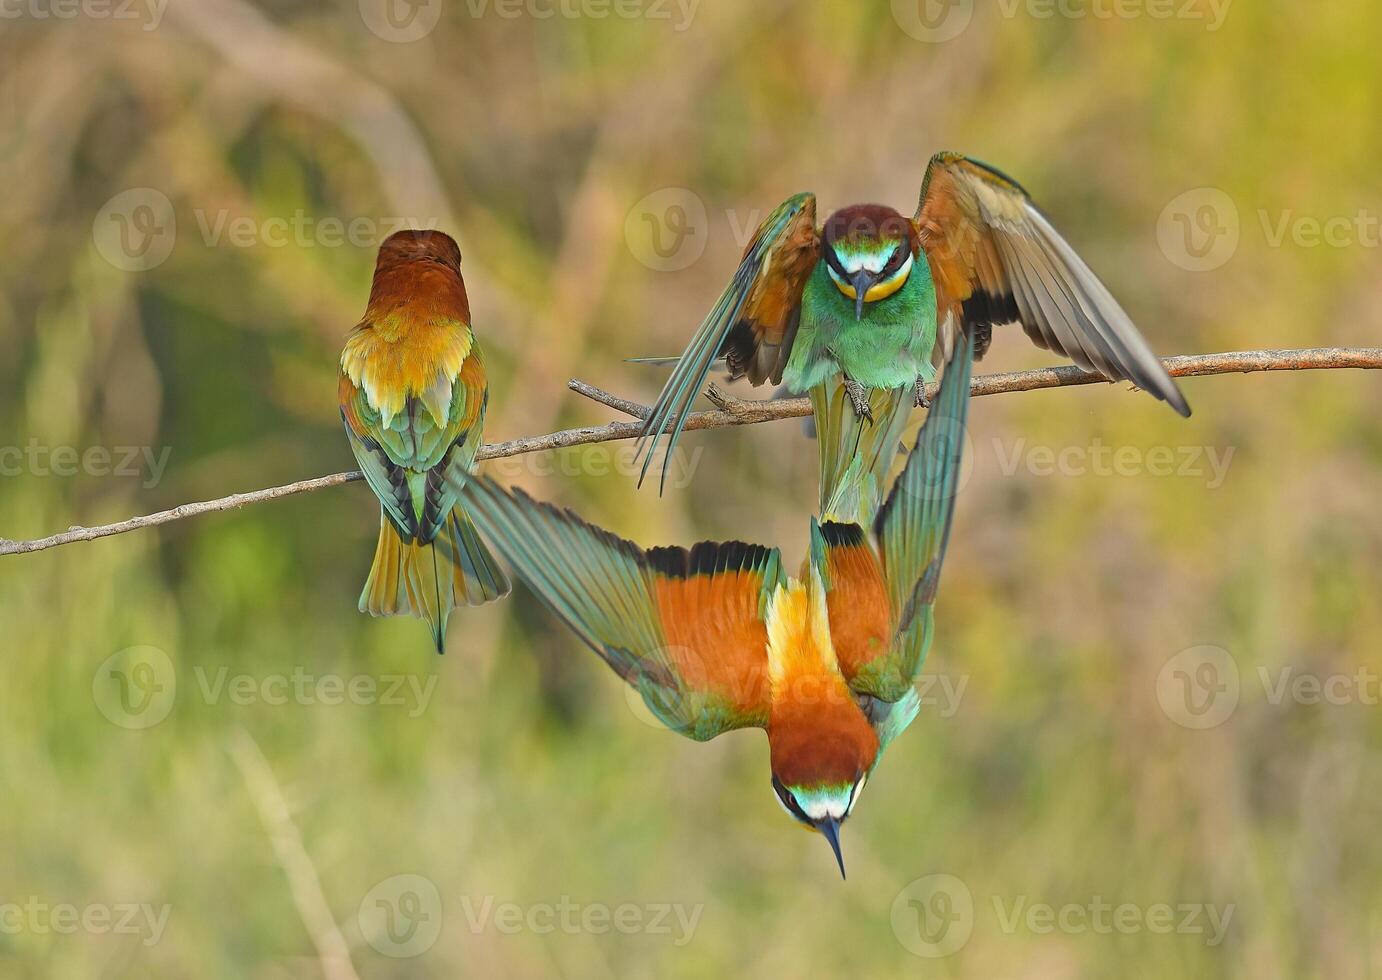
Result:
[856,454]
[429,580]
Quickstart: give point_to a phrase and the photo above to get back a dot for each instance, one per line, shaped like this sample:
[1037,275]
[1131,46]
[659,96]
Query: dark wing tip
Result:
[838,535]
[707,558]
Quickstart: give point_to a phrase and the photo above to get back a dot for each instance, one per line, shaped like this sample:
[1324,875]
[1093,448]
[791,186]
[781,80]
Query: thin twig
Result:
[743,413]
[726,402]
[303,880]
[635,409]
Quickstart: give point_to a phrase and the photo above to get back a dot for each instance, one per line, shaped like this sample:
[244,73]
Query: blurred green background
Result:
[1125,719]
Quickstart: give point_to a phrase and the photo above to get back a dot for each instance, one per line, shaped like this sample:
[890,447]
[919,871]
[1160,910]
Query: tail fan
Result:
[429,580]
[857,454]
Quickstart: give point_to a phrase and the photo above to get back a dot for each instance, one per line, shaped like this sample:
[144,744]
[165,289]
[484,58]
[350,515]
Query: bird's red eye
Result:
[894,261]
[789,802]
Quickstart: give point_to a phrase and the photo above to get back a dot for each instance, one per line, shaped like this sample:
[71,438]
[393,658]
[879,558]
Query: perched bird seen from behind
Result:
[858,311]
[719,637]
[413,394]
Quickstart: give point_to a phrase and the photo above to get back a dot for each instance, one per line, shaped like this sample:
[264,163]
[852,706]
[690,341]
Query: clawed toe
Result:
[859,398]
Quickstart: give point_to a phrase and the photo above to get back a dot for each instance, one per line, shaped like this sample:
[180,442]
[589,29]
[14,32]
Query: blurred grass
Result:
[527,778]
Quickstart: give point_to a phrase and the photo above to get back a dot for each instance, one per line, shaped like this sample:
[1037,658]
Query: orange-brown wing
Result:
[861,617]
[686,628]
[760,340]
[712,603]
[752,324]
[997,259]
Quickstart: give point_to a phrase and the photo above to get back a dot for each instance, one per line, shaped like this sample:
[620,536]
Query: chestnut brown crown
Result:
[413,245]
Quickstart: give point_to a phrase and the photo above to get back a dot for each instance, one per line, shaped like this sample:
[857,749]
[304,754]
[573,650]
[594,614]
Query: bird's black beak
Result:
[830,830]
[863,281]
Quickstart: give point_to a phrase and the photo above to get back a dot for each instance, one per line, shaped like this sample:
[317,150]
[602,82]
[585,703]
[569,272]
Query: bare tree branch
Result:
[736,411]
[332,952]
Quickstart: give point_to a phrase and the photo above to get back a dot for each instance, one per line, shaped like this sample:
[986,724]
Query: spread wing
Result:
[752,324]
[686,628]
[997,259]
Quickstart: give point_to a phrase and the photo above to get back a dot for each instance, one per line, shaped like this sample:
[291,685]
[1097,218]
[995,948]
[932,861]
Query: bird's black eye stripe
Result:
[894,261]
[833,260]
[789,801]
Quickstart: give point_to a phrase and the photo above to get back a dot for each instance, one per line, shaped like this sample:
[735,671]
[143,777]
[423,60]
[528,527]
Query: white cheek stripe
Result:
[872,261]
[879,290]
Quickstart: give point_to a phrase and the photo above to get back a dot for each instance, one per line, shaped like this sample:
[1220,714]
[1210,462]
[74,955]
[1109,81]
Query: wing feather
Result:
[913,526]
[685,628]
[752,324]
[996,256]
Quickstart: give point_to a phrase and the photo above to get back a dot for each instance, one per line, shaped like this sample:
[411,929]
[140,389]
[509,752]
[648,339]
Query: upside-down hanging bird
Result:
[719,637]
[858,311]
[413,394]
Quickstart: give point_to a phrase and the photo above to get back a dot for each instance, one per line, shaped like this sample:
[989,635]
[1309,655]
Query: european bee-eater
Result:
[870,301]
[413,395]
[719,637]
